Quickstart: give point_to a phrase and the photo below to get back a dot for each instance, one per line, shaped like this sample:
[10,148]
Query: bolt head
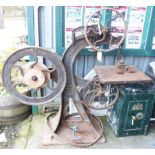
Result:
[34,78]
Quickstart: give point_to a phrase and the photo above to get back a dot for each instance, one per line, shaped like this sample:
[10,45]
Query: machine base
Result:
[86,135]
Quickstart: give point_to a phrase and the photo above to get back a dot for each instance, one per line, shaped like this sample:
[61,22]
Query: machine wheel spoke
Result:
[20,69]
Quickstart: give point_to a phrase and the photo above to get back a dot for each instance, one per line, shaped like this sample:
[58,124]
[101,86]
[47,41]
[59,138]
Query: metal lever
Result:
[133,119]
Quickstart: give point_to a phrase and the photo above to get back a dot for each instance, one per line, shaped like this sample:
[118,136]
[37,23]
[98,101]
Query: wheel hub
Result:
[36,76]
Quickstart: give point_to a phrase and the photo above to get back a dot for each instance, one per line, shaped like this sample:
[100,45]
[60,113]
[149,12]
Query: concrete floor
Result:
[31,133]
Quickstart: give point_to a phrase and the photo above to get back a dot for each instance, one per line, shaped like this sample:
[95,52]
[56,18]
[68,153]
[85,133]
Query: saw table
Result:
[108,75]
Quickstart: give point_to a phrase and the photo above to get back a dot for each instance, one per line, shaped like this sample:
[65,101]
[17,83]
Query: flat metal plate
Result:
[108,75]
[86,134]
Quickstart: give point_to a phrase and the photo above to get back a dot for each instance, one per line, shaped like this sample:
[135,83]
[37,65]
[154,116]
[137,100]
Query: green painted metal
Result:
[131,114]
[146,27]
[31,38]
[125,52]
[30,25]
[107,14]
[127,23]
[147,36]
[151,29]
[60,29]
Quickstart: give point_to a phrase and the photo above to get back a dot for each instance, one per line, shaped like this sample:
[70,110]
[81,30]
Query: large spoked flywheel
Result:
[109,35]
[44,76]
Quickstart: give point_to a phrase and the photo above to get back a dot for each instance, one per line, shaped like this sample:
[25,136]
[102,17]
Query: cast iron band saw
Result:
[56,75]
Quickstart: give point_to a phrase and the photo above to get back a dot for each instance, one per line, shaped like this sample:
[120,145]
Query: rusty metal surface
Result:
[85,133]
[105,31]
[108,75]
[70,90]
[90,128]
[82,130]
[57,125]
[34,51]
[99,96]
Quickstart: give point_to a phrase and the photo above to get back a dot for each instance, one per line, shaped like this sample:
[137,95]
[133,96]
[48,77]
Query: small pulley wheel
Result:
[104,33]
[44,76]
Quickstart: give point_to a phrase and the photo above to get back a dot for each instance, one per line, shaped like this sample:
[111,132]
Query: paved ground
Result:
[31,134]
